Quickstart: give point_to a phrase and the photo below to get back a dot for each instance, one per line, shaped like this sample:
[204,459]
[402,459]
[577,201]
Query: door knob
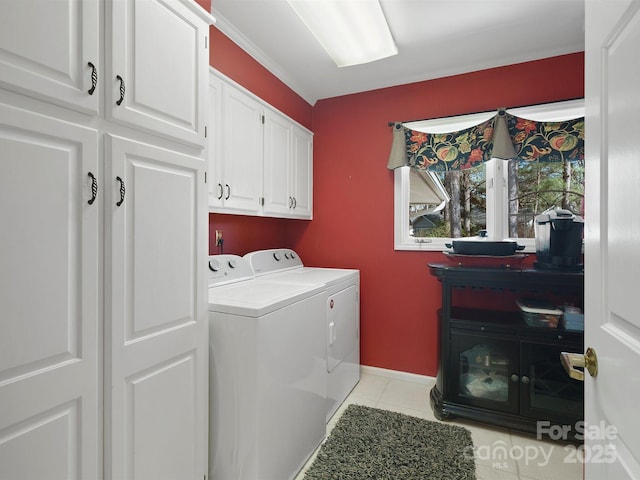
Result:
[572,361]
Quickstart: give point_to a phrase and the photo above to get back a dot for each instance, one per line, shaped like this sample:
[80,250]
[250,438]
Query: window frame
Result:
[496,175]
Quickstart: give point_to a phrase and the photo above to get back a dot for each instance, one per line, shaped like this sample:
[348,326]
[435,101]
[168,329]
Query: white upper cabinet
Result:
[301,172]
[260,160]
[154,76]
[236,165]
[215,182]
[51,50]
[157,68]
[287,167]
[278,198]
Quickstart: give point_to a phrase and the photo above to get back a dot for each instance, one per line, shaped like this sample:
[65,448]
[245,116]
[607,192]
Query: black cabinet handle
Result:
[221,191]
[122,191]
[228,191]
[121,89]
[94,78]
[94,188]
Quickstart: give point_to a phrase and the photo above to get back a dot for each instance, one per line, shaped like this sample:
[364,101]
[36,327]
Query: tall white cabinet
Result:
[103,202]
[261,161]
[50,298]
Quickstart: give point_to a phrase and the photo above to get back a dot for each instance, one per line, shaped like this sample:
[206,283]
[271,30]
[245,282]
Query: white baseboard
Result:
[397,375]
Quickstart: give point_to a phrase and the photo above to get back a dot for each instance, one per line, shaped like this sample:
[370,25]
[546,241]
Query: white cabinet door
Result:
[215,182]
[278,199]
[302,172]
[287,168]
[156,330]
[46,48]
[158,68]
[241,161]
[49,296]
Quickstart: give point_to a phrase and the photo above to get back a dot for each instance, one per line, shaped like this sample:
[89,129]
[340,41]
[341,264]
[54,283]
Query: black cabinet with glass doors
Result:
[495,368]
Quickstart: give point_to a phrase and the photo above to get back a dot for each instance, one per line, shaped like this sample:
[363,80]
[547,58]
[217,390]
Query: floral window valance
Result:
[503,136]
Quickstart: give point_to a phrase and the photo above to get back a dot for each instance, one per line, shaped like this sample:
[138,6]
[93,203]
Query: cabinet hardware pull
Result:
[122,191]
[514,378]
[290,202]
[221,191]
[525,379]
[94,78]
[228,191]
[118,77]
[94,188]
[295,203]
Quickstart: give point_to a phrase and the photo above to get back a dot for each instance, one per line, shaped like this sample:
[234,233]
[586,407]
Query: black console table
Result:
[494,367]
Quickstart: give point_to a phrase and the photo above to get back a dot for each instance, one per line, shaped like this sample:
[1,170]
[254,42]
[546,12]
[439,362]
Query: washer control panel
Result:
[228,268]
[273,260]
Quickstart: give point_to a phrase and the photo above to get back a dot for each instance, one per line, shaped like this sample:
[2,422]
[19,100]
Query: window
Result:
[501,197]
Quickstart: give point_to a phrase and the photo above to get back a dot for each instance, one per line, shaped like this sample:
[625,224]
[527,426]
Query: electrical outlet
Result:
[218,237]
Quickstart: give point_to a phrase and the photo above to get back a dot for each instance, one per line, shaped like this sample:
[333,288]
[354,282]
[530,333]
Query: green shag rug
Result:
[369,443]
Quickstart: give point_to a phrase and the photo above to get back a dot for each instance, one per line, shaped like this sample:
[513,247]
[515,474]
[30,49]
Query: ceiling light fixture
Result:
[351,31]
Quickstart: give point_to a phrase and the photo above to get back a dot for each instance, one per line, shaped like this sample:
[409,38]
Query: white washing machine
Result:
[267,404]
[341,310]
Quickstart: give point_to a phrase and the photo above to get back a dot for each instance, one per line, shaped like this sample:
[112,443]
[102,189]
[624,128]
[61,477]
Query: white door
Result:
[49,298]
[612,238]
[51,50]
[278,198]
[156,331]
[302,172]
[242,151]
[158,68]
[215,181]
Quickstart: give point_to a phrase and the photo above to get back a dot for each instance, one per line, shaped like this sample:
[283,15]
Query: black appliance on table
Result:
[559,240]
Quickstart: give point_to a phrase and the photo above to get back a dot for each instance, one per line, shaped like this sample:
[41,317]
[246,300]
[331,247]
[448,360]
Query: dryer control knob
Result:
[276,255]
[214,265]
[232,263]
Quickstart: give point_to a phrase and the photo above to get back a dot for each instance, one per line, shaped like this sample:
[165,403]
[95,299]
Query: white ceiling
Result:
[435,38]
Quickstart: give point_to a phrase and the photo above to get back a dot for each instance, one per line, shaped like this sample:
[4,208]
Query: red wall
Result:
[242,234]
[353,190]
[353,197]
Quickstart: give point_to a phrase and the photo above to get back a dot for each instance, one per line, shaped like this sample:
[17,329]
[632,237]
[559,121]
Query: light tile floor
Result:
[526,459]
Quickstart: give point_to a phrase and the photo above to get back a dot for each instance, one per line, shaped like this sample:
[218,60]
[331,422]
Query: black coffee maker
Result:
[559,240]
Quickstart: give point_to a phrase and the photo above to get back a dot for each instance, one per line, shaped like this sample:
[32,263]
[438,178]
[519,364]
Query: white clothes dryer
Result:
[267,373]
[341,310]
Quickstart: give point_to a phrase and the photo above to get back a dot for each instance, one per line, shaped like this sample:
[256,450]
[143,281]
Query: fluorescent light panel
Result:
[351,31]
